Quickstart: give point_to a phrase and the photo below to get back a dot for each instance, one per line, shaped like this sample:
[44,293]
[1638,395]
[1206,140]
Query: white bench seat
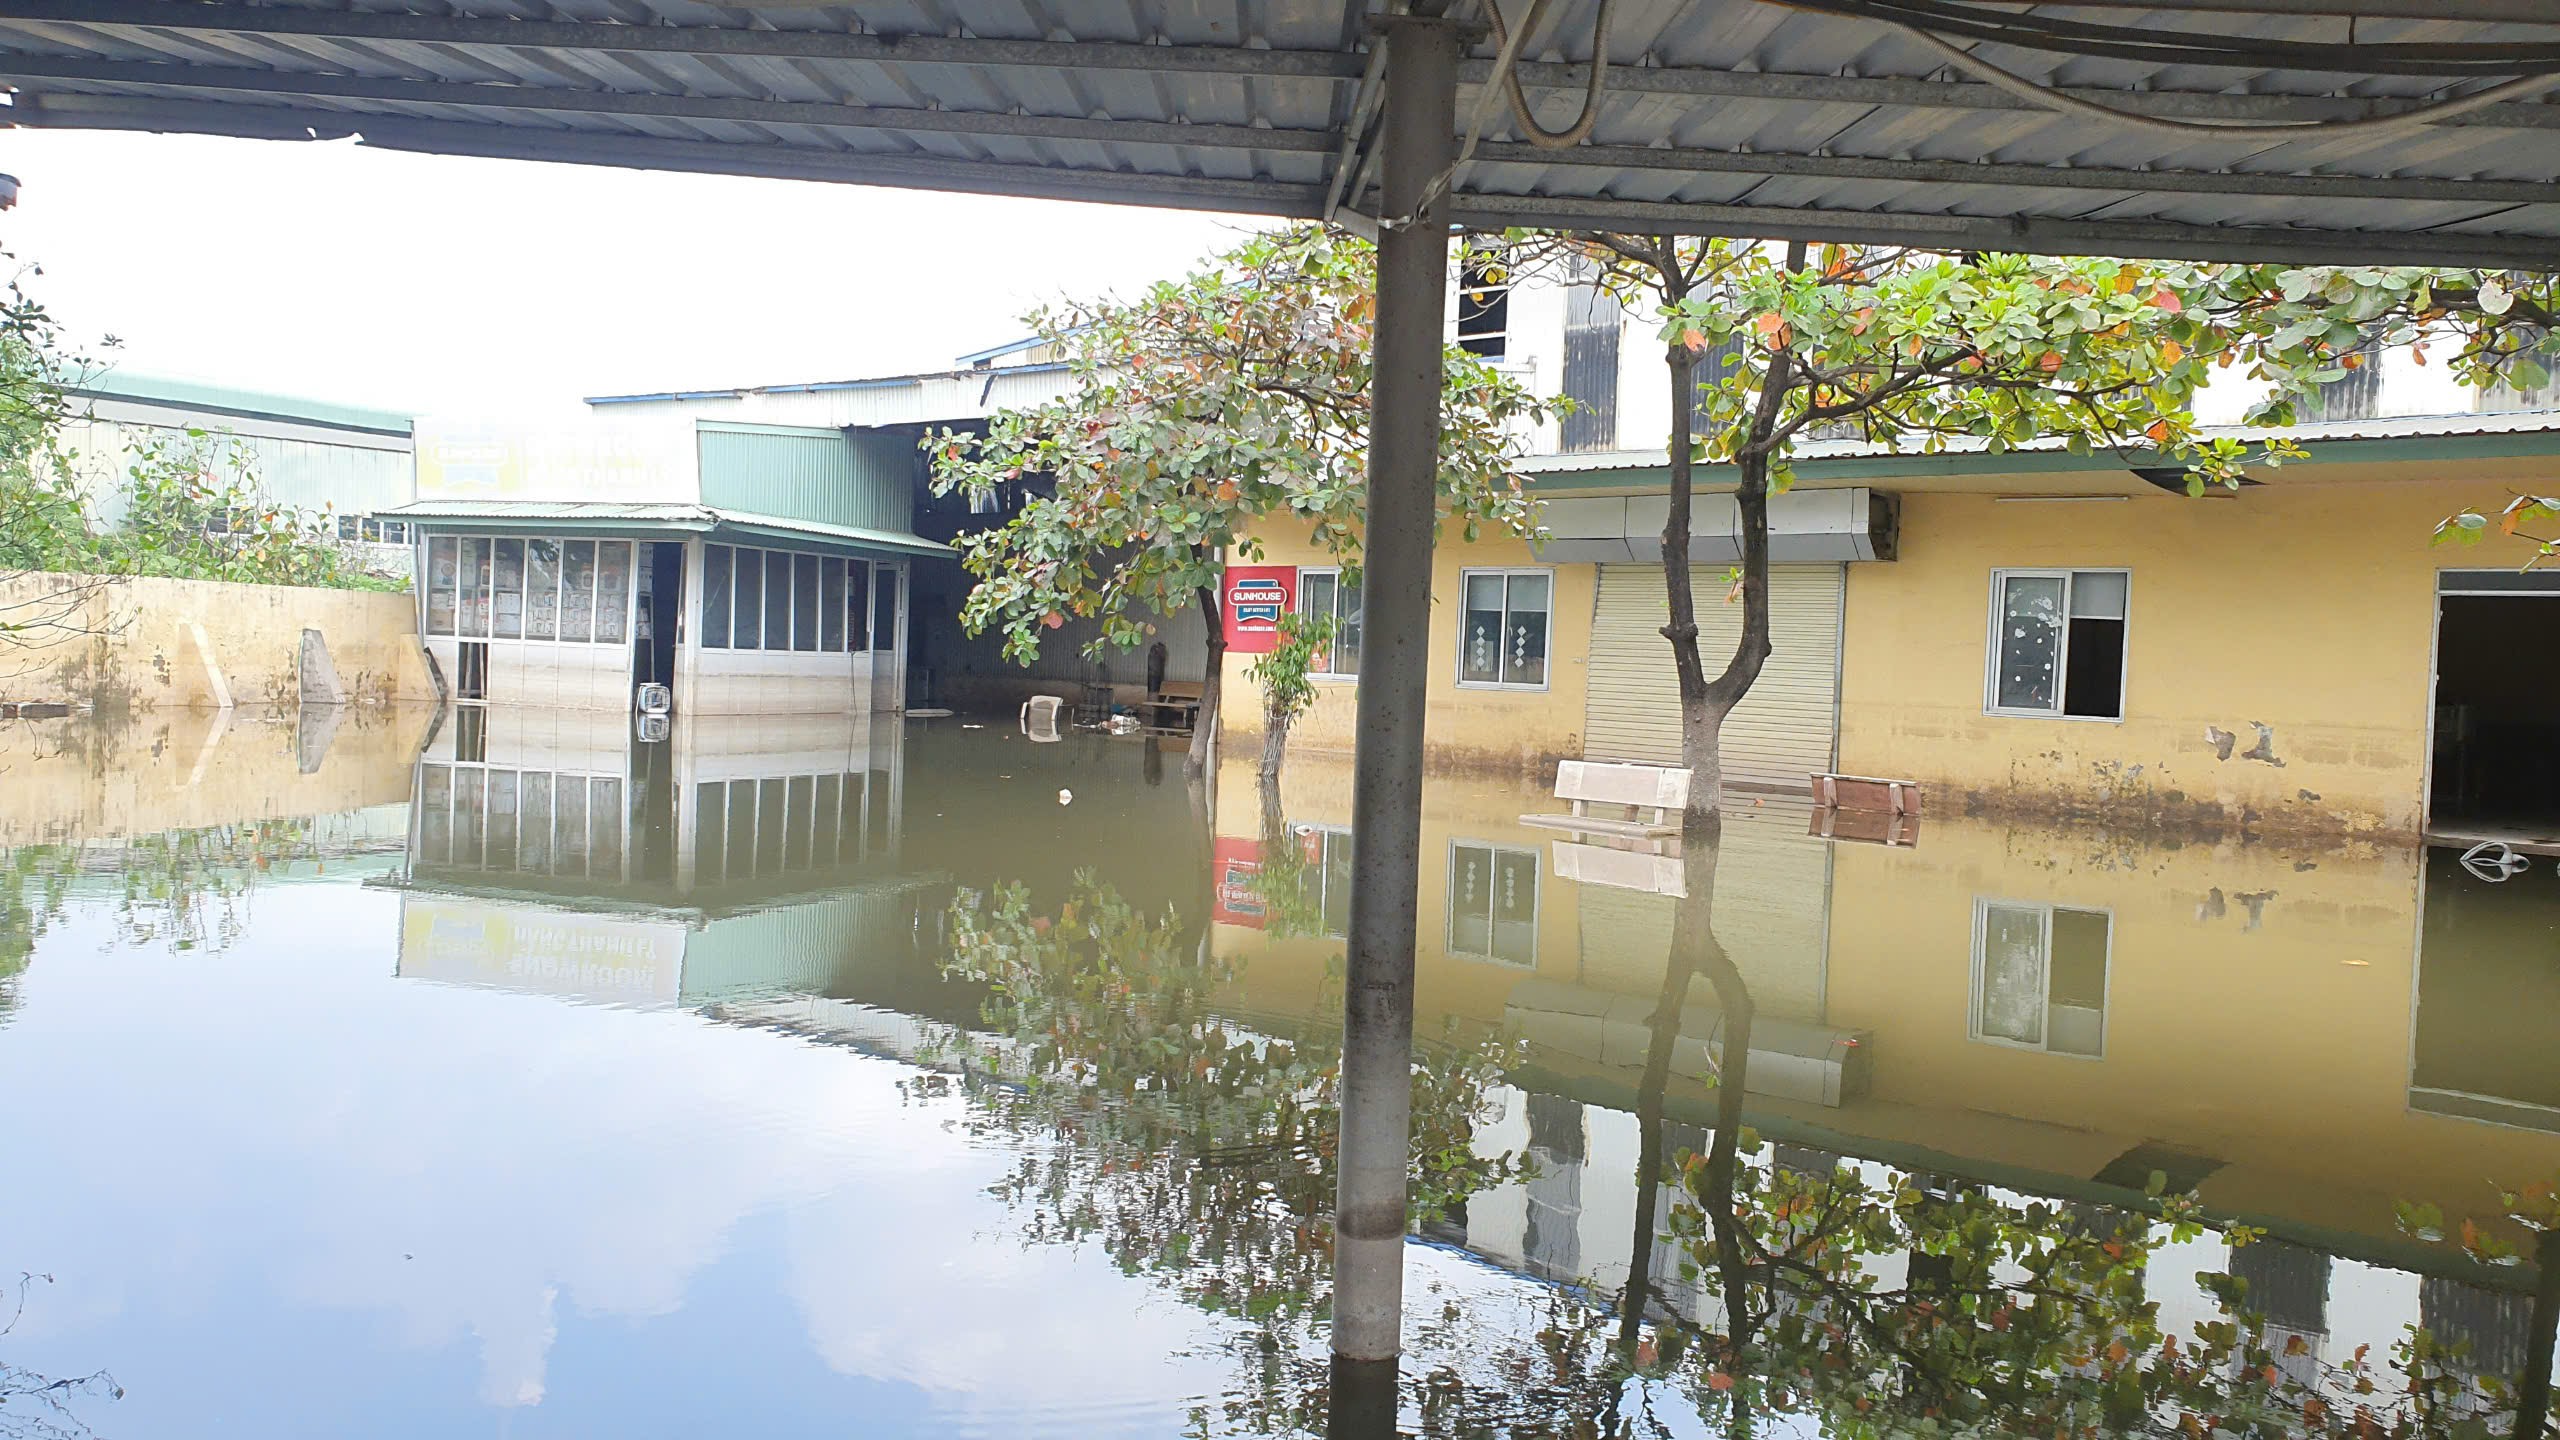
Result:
[1658,794]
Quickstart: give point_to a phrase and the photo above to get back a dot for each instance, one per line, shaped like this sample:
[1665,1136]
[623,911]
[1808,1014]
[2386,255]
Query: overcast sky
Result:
[433,283]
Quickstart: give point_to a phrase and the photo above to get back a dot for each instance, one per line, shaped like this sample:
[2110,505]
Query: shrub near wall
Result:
[145,642]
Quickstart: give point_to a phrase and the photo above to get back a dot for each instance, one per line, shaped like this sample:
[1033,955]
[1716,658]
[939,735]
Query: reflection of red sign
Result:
[1257,596]
[1235,863]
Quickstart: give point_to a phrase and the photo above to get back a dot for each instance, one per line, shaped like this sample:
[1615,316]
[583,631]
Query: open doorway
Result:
[661,608]
[2495,773]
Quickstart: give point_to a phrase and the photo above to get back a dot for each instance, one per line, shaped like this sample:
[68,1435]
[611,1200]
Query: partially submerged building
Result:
[748,568]
[2037,631]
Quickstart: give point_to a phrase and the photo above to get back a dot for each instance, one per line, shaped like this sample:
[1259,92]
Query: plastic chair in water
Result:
[1040,719]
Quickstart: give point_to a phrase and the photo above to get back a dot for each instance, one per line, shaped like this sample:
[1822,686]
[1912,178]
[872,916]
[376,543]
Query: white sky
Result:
[434,283]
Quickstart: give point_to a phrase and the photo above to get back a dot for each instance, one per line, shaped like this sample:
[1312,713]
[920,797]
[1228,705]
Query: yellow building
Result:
[2038,633]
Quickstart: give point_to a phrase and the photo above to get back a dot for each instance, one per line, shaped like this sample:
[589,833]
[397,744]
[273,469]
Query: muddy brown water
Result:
[497,1073]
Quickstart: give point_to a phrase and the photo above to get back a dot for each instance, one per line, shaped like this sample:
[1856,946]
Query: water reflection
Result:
[653,1086]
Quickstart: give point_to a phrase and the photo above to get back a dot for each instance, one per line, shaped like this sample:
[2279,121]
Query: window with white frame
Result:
[1324,592]
[754,599]
[2057,643]
[2040,977]
[516,587]
[1493,903]
[1502,634]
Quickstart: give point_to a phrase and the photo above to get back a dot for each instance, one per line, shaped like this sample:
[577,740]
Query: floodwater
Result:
[918,1079]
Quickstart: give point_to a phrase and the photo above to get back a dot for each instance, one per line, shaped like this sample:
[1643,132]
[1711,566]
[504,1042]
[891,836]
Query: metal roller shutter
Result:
[1783,731]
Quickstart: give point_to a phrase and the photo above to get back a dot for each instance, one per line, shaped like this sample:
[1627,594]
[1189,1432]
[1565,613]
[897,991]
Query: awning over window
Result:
[1804,525]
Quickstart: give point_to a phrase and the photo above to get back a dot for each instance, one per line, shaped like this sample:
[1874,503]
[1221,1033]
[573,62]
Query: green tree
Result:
[1202,414]
[194,509]
[1914,352]
[1287,693]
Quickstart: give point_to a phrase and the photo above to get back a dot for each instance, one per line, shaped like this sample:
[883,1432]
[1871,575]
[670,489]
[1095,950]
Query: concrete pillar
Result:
[1418,136]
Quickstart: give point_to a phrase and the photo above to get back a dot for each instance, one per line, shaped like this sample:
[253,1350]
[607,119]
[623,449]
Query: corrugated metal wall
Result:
[1784,730]
[305,474]
[797,473]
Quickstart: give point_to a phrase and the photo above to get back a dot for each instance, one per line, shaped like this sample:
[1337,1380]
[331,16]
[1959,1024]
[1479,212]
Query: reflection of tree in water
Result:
[185,889]
[1766,1288]
[35,1406]
[1188,1146]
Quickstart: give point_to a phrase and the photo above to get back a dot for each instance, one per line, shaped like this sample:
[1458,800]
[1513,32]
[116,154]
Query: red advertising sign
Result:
[1234,864]
[1257,596]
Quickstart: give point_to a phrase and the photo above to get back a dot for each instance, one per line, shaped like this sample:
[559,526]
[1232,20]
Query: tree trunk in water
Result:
[1275,745]
[1704,704]
[1204,728]
[1698,749]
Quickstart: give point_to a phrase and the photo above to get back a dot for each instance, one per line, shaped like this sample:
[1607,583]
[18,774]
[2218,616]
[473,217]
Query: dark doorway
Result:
[661,614]
[473,681]
[2496,773]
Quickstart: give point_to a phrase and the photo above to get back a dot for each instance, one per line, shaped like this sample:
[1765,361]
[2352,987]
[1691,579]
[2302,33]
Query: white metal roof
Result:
[1749,117]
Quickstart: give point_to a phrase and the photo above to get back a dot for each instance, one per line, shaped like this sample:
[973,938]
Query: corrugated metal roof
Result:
[1751,117]
[2407,427]
[227,400]
[699,518]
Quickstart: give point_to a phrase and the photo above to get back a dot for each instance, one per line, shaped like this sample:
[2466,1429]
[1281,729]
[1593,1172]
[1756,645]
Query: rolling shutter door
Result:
[1784,729]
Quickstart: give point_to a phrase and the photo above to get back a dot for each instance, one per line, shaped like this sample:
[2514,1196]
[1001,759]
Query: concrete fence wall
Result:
[198,644]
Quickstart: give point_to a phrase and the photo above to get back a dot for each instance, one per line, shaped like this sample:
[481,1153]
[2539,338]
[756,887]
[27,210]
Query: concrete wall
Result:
[1509,730]
[157,643]
[2305,606]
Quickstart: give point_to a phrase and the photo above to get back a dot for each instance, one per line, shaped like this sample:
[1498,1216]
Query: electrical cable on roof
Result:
[1504,80]
[2087,38]
[1537,134]
[2037,93]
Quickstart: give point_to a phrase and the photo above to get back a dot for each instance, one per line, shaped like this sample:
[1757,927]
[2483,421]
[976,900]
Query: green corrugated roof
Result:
[701,519]
[231,401]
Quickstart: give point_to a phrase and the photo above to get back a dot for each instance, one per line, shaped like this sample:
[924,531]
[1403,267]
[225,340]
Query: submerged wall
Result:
[153,643]
[2305,607]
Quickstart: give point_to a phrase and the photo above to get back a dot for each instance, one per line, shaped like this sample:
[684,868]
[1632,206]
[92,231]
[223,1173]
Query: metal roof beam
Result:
[2141,239]
[297,22]
[737,110]
[2075,177]
[642,152]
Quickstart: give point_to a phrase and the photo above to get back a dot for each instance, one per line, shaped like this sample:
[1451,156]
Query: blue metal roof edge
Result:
[661,395]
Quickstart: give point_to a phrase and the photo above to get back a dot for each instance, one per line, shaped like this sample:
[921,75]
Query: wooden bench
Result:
[1660,789]
[1174,708]
[1867,792]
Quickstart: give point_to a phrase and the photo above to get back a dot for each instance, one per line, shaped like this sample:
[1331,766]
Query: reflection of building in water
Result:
[1572,1221]
[549,852]
[2486,995]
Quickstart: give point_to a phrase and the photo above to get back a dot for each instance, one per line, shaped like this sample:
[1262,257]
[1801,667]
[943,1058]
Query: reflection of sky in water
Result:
[298,1194]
